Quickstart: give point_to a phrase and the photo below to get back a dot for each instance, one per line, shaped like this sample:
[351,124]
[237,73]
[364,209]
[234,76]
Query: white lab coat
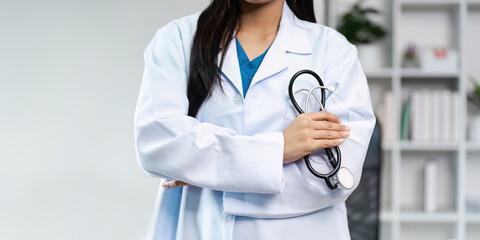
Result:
[232,152]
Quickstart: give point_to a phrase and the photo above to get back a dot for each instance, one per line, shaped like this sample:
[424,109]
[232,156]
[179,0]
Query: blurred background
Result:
[70,73]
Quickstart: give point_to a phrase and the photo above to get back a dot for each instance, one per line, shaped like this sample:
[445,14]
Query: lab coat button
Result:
[237,99]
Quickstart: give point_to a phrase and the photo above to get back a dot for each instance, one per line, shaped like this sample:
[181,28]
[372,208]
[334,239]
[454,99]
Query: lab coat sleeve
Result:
[169,144]
[304,193]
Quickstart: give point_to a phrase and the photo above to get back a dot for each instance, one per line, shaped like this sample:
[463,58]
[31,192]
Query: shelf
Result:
[424,217]
[429,3]
[429,146]
[473,217]
[473,146]
[428,217]
[419,73]
[379,73]
[429,230]
[386,216]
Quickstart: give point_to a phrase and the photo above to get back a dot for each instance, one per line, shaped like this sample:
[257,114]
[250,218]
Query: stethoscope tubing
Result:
[335,162]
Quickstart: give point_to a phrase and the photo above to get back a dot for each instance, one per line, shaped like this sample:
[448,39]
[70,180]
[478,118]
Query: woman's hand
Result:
[312,131]
[174,184]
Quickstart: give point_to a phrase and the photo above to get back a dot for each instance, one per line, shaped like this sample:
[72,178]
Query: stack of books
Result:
[427,115]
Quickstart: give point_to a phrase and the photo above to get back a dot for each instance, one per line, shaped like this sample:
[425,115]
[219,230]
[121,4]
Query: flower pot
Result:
[474,129]
[371,56]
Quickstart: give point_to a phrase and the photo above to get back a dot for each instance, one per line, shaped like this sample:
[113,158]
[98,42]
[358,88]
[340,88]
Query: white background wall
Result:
[69,77]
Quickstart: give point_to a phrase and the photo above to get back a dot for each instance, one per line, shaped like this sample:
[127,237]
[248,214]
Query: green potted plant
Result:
[474,99]
[360,30]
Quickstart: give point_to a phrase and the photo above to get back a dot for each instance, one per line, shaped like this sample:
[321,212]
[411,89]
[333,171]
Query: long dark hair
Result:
[215,28]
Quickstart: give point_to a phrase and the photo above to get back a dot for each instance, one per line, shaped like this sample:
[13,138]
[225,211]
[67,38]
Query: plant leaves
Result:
[357,27]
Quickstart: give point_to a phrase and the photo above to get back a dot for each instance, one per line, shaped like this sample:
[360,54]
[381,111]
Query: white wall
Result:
[69,78]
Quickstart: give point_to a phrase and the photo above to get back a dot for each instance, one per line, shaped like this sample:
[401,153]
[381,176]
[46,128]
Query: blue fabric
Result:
[248,68]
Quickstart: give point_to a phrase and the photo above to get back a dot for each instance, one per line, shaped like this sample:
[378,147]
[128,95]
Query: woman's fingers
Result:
[174,184]
[317,144]
[323,115]
[326,134]
[325,125]
[325,120]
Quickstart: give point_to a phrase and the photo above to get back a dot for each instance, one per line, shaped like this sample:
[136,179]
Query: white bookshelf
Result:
[451,22]
[418,73]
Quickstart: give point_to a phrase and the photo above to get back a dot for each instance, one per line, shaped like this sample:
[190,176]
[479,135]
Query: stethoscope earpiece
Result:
[330,89]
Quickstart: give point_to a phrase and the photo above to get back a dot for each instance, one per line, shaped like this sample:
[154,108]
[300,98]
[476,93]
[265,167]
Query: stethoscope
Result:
[339,177]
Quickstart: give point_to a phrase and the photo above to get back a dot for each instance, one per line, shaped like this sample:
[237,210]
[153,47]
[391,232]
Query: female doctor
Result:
[214,119]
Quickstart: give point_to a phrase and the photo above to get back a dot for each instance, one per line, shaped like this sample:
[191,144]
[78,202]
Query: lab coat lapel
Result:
[275,61]
[291,38]
[231,67]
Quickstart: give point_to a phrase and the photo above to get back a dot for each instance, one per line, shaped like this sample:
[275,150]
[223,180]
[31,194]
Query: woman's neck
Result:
[260,19]
[258,26]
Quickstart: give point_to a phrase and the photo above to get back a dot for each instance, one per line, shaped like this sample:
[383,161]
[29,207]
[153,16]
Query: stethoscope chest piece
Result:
[345,179]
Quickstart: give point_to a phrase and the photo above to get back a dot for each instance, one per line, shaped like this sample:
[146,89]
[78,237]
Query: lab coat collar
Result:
[291,38]
[294,31]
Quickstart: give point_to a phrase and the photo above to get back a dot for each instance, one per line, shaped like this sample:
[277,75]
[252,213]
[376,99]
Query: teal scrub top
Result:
[248,68]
